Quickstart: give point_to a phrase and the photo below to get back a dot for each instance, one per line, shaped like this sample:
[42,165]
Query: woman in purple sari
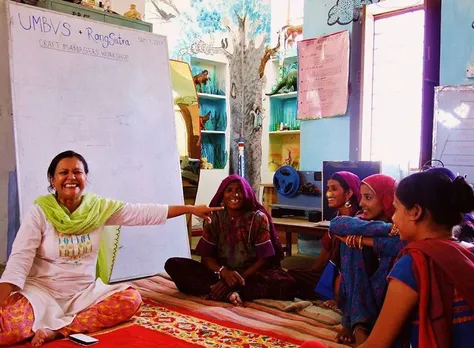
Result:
[240,252]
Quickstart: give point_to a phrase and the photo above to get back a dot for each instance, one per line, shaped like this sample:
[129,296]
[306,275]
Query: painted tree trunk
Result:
[244,75]
[245,81]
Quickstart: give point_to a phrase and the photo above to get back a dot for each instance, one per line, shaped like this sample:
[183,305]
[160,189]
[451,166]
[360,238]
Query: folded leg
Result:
[190,276]
[306,280]
[273,283]
[112,311]
[16,320]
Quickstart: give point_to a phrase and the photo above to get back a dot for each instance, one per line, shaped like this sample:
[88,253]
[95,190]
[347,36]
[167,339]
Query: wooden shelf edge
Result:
[211,96]
[289,95]
[212,132]
[287,132]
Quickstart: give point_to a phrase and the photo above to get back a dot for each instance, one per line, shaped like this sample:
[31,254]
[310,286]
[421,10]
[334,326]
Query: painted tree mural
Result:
[242,38]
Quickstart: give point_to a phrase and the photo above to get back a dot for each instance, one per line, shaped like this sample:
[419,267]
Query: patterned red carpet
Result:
[158,325]
[169,318]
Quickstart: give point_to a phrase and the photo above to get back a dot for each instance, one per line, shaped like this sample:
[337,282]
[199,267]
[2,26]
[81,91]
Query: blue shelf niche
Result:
[283,110]
[214,149]
[218,116]
[216,83]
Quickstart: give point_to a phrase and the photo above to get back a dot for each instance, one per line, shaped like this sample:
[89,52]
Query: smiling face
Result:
[335,194]
[69,179]
[233,196]
[370,204]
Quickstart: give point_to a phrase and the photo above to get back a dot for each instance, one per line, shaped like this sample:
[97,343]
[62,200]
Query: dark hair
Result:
[353,200]
[57,159]
[446,200]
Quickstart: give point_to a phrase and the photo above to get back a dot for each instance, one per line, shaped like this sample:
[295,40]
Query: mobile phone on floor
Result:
[83,340]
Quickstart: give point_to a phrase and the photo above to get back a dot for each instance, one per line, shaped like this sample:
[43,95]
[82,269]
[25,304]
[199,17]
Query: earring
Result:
[395,231]
[348,204]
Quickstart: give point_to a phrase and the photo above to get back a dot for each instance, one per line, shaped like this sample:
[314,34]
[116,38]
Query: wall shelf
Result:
[287,60]
[215,86]
[285,132]
[91,13]
[288,95]
[212,132]
[213,103]
[283,145]
[211,96]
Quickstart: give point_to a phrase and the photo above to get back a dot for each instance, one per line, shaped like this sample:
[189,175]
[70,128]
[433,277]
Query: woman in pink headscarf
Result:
[240,252]
[362,291]
[343,194]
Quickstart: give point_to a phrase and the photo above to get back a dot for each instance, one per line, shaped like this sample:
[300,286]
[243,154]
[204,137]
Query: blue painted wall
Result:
[457,41]
[324,139]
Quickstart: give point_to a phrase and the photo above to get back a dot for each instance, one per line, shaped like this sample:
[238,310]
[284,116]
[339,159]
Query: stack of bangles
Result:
[353,241]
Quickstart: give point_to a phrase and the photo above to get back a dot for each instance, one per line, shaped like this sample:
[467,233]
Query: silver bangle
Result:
[218,273]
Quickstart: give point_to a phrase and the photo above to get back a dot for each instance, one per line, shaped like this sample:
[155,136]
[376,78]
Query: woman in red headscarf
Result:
[343,194]
[240,252]
[430,297]
[362,289]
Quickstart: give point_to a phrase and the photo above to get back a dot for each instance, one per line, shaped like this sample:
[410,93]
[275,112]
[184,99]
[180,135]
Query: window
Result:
[392,82]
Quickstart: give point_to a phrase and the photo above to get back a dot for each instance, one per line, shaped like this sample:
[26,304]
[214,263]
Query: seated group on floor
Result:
[396,261]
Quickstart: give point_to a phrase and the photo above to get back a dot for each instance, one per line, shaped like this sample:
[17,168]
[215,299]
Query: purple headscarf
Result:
[251,204]
[352,181]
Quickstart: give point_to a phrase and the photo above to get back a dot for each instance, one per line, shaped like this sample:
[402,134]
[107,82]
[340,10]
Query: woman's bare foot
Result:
[345,336]
[360,335]
[43,336]
[235,299]
[332,303]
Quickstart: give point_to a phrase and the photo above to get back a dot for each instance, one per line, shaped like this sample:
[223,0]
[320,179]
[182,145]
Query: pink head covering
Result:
[352,181]
[384,188]
[250,203]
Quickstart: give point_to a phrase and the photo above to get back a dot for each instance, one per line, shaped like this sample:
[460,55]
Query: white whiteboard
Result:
[105,92]
[453,134]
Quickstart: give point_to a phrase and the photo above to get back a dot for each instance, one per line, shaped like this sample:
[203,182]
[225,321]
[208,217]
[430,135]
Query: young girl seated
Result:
[430,297]
[240,252]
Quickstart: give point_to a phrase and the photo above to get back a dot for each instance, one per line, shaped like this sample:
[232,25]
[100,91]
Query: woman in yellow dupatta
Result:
[51,287]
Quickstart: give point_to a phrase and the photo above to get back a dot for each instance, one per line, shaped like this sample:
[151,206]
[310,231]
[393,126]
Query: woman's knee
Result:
[173,265]
[131,301]
[16,320]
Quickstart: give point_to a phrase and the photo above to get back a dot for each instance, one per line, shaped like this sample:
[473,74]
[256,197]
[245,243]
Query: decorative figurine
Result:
[133,13]
[201,79]
[290,80]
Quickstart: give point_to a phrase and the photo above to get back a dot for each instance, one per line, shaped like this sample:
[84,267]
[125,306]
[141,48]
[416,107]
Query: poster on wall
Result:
[323,76]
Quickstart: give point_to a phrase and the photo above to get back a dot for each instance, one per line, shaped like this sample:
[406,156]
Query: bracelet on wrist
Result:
[218,273]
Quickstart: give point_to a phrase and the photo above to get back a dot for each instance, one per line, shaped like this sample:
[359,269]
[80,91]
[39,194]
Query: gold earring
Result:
[348,204]
[395,231]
